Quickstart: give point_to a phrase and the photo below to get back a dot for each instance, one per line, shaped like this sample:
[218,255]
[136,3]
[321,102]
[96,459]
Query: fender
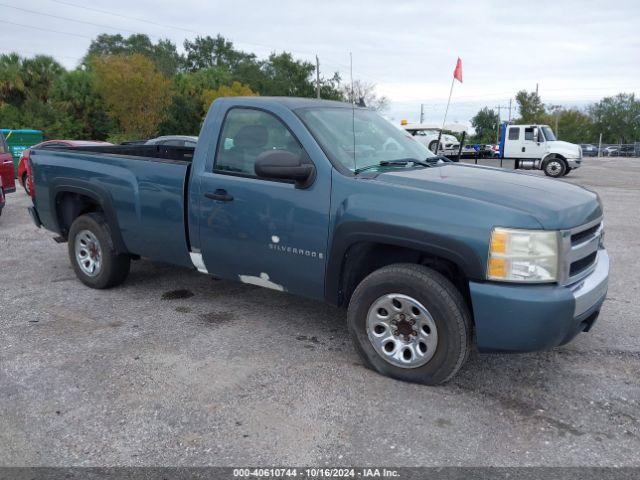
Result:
[98,194]
[350,233]
[549,156]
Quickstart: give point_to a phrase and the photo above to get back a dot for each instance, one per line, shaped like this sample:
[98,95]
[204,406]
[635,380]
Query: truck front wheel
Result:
[410,323]
[92,253]
[555,167]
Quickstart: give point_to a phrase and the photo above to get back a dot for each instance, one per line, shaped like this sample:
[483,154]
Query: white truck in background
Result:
[428,136]
[535,147]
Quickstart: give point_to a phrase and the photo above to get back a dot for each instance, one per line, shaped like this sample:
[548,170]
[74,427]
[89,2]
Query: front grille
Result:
[580,251]
[577,238]
[581,265]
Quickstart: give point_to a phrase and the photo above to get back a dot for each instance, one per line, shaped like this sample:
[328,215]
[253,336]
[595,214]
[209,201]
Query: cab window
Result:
[514,133]
[246,134]
[528,134]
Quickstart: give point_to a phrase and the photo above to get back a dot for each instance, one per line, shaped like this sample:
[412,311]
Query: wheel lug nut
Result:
[401,316]
[395,332]
[414,333]
[412,322]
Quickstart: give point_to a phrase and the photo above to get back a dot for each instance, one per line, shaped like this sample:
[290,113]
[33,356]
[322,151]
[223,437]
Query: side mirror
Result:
[284,165]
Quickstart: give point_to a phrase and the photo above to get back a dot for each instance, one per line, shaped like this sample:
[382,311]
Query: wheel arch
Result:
[72,198]
[355,256]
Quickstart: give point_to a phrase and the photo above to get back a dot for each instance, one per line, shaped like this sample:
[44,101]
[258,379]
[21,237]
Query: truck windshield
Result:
[360,138]
[548,134]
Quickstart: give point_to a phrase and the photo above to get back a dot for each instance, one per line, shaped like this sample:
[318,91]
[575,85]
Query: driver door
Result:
[262,231]
[533,145]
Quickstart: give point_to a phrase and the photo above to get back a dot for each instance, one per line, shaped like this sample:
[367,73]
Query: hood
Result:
[566,149]
[554,203]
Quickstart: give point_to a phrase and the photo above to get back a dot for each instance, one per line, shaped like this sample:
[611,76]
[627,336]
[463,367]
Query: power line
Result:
[151,22]
[106,12]
[46,29]
[69,19]
[34,53]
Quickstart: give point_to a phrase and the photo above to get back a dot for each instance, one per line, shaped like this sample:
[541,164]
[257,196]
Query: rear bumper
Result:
[526,318]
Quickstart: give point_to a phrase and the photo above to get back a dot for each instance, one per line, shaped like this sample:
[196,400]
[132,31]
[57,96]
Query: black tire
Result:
[567,171]
[555,167]
[433,146]
[24,183]
[114,267]
[443,301]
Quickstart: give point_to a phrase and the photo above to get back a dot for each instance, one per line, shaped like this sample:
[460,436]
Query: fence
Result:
[612,150]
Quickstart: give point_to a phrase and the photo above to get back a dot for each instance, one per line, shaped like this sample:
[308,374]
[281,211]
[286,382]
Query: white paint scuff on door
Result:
[196,259]
[262,281]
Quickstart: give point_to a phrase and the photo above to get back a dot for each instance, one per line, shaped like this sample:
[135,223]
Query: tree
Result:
[485,124]
[366,92]
[573,126]
[206,52]
[39,74]
[81,114]
[12,88]
[531,107]
[163,54]
[135,93]
[235,90]
[617,118]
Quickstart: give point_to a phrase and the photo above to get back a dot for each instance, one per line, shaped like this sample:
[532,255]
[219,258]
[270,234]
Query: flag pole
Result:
[444,120]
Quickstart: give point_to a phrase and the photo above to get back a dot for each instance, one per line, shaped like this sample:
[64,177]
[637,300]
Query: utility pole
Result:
[421,112]
[509,121]
[317,77]
[536,89]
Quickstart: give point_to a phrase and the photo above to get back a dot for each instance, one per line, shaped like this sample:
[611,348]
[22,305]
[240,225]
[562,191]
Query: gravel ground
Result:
[175,368]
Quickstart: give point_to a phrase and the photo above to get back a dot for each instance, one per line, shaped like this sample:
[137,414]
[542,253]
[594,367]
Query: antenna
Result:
[353,111]
[351,99]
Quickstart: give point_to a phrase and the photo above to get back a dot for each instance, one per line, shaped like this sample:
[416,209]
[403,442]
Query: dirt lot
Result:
[174,368]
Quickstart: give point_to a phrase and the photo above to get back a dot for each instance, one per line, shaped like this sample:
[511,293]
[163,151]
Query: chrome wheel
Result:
[554,168]
[88,253]
[402,330]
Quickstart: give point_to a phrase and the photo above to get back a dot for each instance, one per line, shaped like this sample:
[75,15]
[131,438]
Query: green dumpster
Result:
[19,140]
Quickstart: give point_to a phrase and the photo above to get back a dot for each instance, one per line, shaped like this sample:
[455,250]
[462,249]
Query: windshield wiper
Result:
[394,163]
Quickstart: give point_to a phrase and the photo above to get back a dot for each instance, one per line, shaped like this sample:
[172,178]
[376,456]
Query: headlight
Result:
[523,255]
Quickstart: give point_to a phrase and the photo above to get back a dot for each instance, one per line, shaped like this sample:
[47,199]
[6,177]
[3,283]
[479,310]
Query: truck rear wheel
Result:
[410,323]
[92,253]
[555,167]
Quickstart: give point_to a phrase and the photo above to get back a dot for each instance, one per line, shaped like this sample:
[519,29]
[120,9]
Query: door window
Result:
[528,134]
[245,135]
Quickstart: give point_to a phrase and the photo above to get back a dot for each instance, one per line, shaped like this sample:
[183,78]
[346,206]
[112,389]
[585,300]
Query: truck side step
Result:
[59,239]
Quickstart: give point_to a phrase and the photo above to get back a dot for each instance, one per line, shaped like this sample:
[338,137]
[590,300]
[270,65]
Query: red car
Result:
[23,170]
[7,182]
[1,196]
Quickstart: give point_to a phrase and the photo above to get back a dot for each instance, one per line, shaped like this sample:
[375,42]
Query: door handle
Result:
[524,148]
[220,194]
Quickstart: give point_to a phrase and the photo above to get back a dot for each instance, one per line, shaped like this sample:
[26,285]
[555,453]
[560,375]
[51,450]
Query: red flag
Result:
[457,73]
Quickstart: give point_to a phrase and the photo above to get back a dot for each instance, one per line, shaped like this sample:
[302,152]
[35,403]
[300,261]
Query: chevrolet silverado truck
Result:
[535,147]
[329,201]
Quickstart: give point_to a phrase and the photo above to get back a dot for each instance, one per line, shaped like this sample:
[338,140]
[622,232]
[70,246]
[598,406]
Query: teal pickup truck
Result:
[332,202]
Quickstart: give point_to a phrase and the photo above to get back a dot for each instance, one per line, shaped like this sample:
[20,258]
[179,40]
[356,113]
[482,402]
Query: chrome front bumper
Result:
[574,163]
[591,290]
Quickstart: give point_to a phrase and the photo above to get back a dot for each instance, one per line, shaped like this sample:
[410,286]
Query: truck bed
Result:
[142,189]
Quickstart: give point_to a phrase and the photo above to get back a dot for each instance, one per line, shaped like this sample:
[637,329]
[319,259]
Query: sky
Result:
[575,51]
